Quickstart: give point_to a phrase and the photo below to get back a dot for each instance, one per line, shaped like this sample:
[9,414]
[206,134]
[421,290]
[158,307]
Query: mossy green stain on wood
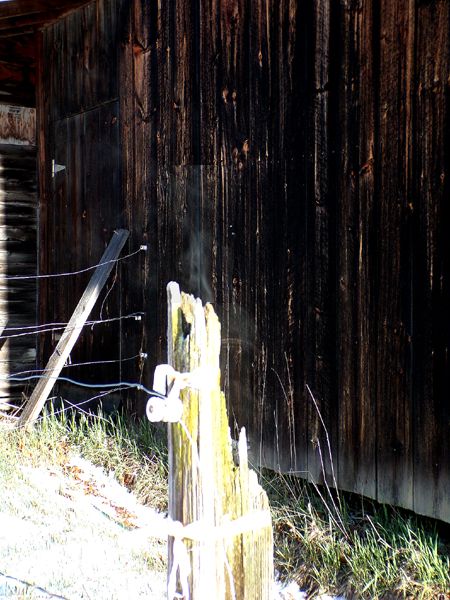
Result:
[205,484]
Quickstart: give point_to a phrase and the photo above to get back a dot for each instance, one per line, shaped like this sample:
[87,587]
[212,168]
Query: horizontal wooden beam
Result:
[27,21]
[22,17]
[29,7]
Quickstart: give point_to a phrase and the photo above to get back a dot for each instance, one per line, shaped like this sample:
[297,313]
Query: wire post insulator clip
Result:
[168,407]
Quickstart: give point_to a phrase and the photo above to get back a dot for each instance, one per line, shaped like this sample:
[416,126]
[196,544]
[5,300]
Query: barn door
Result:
[84,213]
[78,98]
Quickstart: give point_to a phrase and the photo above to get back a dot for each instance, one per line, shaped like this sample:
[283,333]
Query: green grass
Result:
[357,548]
[136,453]
[343,544]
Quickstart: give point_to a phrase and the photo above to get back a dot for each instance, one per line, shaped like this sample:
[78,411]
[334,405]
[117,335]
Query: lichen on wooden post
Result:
[205,486]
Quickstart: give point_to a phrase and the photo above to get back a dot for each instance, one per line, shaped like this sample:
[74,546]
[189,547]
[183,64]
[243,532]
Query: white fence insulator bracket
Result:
[170,408]
[169,383]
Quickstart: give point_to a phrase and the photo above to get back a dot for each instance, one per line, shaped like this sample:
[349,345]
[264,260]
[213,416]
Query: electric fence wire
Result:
[49,327]
[108,388]
[79,364]
[70,273]
[68,408]
[22,327]
[119,384]
[111,388]
[77,408]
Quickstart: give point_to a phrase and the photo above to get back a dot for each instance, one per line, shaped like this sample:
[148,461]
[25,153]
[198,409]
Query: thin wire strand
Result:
[80,364]
[108,292]
[100,386]
[29,586]
[77,406]
[67,408]
[100,362]
[64,323]
[27,327]
[70,273]
[64,326]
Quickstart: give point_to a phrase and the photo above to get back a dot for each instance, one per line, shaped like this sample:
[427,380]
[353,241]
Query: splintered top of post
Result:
[200,324]
[173,293]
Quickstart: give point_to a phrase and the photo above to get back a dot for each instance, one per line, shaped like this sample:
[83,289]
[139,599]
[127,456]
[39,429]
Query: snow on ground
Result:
[75,533]
[291,591]
[77,537]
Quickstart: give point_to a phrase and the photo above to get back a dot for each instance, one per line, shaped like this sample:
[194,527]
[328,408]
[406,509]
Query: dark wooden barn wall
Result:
[289,161]
[17,69]
[80,203]
[18,258]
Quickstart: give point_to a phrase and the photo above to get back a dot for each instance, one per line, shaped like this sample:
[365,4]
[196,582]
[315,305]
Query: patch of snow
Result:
[74,537]
[78,534]
[291,591]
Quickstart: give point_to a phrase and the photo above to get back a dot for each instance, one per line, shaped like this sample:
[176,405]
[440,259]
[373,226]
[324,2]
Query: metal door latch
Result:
[56,168]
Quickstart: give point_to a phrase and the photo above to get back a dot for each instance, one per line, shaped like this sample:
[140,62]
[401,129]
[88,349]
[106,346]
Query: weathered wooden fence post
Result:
[227,552]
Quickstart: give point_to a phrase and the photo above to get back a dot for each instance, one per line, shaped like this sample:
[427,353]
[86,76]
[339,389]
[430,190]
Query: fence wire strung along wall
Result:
[289,161]
[45,380]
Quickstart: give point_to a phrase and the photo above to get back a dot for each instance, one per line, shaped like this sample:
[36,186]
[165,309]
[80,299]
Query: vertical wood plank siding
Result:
[289,161]
[431,256]
[81,203]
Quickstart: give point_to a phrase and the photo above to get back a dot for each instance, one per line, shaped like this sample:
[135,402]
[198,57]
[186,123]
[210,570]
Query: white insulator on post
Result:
[166,410]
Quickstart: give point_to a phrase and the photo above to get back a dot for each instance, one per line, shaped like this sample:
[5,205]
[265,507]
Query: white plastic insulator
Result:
[143,247]
[169,383]
[162,374]
[164,410]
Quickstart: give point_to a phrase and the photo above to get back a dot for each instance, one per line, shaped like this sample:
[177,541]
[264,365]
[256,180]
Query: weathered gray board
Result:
[73,329]
[17,125]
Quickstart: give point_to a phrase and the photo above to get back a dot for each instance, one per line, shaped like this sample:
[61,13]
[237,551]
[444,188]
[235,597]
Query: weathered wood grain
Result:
[431,273]
[356,165]
[394,439]
[205,486]
[287,160]
[82,203]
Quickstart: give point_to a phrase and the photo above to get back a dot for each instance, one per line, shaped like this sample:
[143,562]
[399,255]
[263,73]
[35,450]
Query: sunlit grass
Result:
[367,551]
[343,544]
[136,453]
